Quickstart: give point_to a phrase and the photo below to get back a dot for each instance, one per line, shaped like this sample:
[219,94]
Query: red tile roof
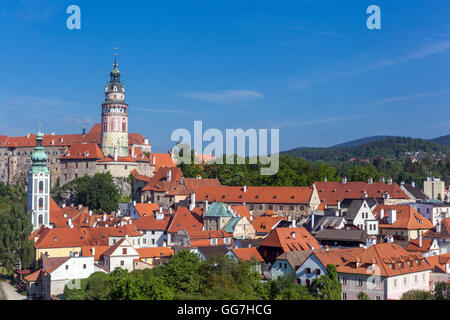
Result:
[247,254]
[242,211]
[184,219]
[162,160]
[264,224]
[439,262]
[151,223]
[86,251]
[407,218]
[193,183]
[146,209]
[291,239]
[331,192]
[413,245]
[159,181]
[83,151]
[155,252]
[254,194]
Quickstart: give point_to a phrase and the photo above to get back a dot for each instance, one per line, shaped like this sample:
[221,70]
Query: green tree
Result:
[98,192]
[16,251]
[327,286]
[97,286]
[442,291]
[181,272]
[363,296]
[124,286]
[417,295]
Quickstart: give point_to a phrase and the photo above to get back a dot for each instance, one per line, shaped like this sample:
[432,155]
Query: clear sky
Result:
[310,68]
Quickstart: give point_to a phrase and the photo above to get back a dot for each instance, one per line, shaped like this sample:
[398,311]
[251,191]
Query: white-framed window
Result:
[227,240]
[214,241]
[344,296]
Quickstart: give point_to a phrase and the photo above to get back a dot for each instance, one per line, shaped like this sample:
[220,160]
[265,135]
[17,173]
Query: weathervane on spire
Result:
[116,49]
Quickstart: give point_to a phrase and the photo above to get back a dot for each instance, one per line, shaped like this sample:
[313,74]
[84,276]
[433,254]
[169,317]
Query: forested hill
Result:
[391,148]
[445,140]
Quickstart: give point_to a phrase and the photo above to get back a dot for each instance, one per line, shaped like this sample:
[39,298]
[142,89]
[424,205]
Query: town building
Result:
[434,188]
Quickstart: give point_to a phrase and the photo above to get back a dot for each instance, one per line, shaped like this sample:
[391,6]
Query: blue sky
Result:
[310,68]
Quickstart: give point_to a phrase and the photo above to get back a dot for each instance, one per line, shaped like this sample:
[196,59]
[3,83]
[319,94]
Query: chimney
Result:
[70,223]
[327,248]
[90,213]
[206,205]
[389,181]
[133,155]
[325,179]
[382,179]
[80,206]
[199,176]
[63,205]
[153,159]
[344,180]
[104,217]
[116,153]
[134,203]
[371,241]
[93,251]
[381,214]
[164,244]
[294,223]
[392,216]
[370,180]
[245,189]
[293,234]
[339,205]
[251,216]
[192,206]
[438,227]
[413,184]
[420,240]
[169,175]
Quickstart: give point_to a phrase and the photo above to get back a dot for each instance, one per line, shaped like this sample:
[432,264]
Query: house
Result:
[155,255]
[288,262]
[441,269]
[250,254]
[342,238]
[383,271]
[434,188]
[154,229]
[404,223]
[427,247]
[413,192]
[56,273]
[201,238]
[441,232]
[184,219]
[331,192]
[138,210]
[359,213]
[121,255]
[282,240]
[265,224]
[286,201]
[208,252]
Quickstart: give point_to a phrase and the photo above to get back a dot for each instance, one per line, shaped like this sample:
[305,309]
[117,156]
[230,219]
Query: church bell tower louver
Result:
[114,141]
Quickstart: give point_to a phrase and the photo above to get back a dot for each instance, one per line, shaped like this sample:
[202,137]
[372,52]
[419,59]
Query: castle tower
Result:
[39,186]
[115,116]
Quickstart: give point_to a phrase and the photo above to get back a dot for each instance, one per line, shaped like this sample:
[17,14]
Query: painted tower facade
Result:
[114,142]
[39,186]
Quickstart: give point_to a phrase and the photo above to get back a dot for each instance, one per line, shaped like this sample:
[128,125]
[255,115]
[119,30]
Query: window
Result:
[144,241]
[84,266]
[41,186]
[252,207]
[87,164]
[308,270]
[124,250]
[302,208]
[281,207]
[153,241]
[41,203]
[270,207]
[395,282]
[285,265]
[360,282]
[378,298]
[291,208]
[214,241]
[260,207]
[299,281]
[318,271]
[344,296]
[404,281]
[227,240]
[67,267]
[307,282]
[415,278]
[122,263]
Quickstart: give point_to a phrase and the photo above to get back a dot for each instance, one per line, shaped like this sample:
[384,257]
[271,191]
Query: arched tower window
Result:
[41,203]
[41,186]
[41,219]
[124,127]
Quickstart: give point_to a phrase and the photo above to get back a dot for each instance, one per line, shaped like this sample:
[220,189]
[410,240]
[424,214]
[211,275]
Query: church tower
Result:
[39,186]
[114,141]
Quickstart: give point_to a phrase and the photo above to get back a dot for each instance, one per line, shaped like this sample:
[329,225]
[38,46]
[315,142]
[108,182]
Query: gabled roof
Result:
[295,258]
[406,218]
[87,251]
[192,184]
[184,219]
[211,251]
[413,245]
[155,252]
[414,191]
[291,239]
[294,195]
[50,264]
[445,230]
[264,224]
[342,235]
[113,248]
[218,209]
[439,262]
[242,211]
[232,224]
[327,222]
[160,183]
[247,254]
[146,209]
[151,223]
[162,160]
[79,151]
[353,209]
[331,192]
